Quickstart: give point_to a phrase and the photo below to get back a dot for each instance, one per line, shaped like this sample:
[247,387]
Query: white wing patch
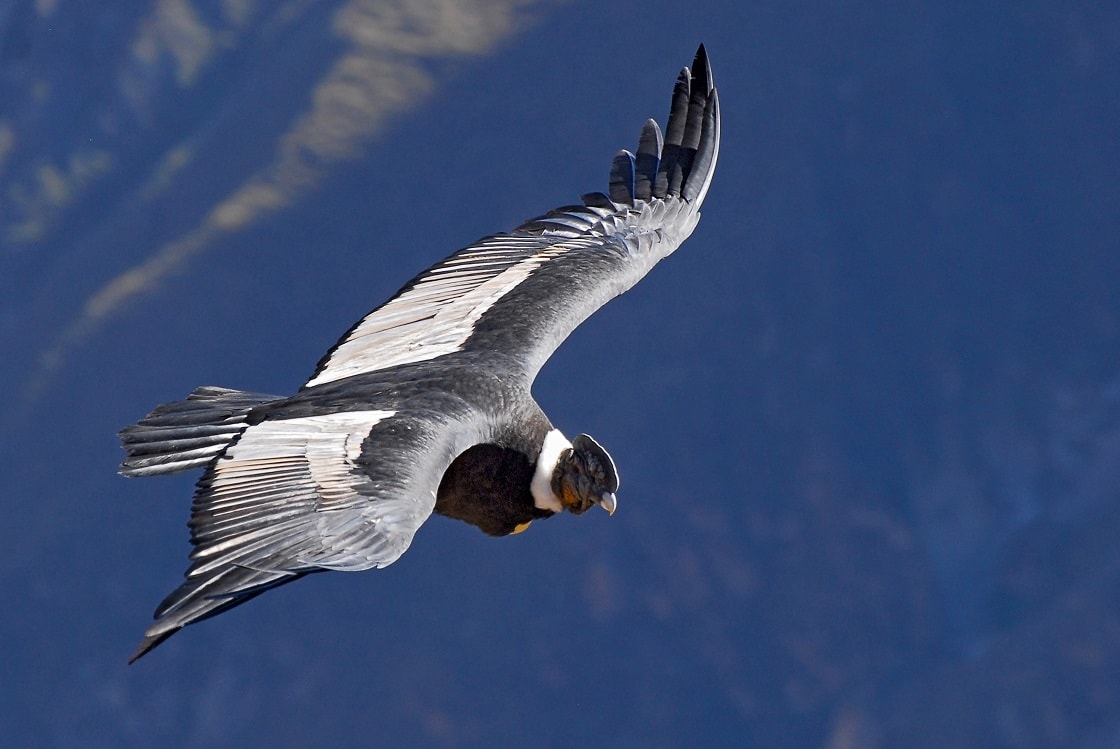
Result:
[436,316]
[289,495]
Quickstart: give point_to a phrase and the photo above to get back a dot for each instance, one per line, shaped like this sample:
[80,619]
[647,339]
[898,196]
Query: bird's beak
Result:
[609,502]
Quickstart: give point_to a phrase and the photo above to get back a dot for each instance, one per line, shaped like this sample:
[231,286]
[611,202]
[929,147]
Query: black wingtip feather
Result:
[622,178]
[193,601]
[678,110]
[647,159]
[147,644]
[706,152]
[702,68]
[668,179]
[691,135]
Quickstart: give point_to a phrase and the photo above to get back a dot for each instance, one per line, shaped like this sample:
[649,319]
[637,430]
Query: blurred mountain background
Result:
[867,419]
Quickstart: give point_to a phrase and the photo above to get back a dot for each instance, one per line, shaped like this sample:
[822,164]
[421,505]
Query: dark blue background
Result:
[867,419]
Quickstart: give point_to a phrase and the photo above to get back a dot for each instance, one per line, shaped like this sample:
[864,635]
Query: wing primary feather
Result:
[622,178]
[194,601]
[668,180]
[700,173]
[647,159]
[702,69]
[678,110]
[694,123]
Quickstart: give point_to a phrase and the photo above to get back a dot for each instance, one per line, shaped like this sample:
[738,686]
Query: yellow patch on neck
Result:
[520,528]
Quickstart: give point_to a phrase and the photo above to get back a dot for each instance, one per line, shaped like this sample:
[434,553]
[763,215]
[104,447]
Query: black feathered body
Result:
[488,486]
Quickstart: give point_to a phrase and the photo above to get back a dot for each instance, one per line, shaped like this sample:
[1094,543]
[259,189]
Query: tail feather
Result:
[189,433]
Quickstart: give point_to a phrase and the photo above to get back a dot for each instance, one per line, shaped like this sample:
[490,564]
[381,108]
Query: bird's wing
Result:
[337,491]
[307,492]
[521,294]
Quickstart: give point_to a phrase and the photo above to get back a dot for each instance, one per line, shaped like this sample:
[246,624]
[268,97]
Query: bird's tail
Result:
[188,433]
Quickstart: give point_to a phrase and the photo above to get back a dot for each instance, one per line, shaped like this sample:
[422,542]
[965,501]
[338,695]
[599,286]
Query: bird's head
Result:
[584,476]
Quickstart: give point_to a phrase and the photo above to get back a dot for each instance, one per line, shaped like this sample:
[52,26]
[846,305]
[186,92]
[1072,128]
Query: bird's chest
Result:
[488,487]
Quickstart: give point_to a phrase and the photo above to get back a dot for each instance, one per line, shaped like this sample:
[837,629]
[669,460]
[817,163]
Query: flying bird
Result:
[424,405]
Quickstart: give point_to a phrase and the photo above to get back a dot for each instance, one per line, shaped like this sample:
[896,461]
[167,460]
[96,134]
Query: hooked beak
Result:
[608,502]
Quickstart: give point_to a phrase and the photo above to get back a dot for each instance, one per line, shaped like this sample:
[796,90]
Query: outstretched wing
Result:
[521,294]
[337,491]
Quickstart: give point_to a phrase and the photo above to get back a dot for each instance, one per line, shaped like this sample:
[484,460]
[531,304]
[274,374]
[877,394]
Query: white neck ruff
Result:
[555,443]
